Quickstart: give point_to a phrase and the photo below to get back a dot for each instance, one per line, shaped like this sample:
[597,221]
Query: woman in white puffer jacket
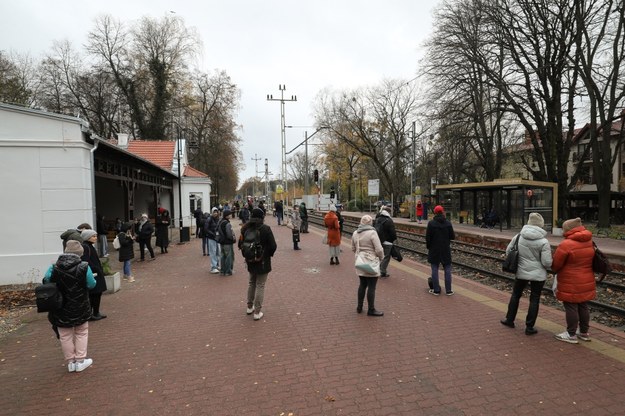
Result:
[534,260]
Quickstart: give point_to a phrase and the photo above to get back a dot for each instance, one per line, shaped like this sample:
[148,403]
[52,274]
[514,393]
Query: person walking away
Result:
[385,227]
[226,241]
[331,221]
[244,213]
[202,233]
[419,211]
[258,266]
[303,215]
[162,229]
[102,236]
[126,250]
[73,278]
[534,260]
[295,225]
[572,261]
[90,255]
[438,236]
[144,236]
[210,230]
[365,241]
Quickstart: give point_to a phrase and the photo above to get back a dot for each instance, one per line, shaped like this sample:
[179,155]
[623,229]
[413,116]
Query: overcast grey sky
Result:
[307,46]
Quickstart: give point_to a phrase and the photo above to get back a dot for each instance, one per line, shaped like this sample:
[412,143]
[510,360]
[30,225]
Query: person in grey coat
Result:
[534,260]
[365,241]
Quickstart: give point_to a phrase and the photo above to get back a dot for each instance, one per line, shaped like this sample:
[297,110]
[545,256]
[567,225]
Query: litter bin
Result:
[185,234]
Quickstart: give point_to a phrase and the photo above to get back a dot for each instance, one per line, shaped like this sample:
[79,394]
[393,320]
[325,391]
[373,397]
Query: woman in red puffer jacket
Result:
[572,262]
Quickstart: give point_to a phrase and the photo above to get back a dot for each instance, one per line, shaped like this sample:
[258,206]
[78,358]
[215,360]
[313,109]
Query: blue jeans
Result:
[213,252]
[126,267]
[227,258]
[436,286]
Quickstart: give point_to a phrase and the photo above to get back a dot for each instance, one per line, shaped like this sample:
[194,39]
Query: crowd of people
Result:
[79,272]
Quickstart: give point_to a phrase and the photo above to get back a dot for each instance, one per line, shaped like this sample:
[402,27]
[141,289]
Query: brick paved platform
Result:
[178,342]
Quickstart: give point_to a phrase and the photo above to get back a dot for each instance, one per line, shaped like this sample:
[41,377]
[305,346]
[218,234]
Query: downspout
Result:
[96,142]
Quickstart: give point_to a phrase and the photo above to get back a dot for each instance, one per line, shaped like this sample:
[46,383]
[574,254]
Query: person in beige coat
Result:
[365,241]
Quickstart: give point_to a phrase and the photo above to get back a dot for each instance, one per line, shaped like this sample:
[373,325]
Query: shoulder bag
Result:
[600,263]
[511,263]
[48,297]
[364,264]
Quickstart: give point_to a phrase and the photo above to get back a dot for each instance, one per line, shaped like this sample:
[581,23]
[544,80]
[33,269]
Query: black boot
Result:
[374,312]
[337,260]
[332,261]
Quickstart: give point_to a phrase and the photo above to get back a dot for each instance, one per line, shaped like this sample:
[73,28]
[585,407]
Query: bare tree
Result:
[17,78]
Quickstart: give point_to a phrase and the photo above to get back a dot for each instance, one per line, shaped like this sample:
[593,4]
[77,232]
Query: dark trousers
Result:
[94,300]
[577,313]
[304,225]
[517,291]
[143,244]
[367,284]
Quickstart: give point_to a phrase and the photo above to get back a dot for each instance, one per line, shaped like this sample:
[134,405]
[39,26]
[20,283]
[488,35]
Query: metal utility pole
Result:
[255,159]
[282,100]
[412,178]
[266,176]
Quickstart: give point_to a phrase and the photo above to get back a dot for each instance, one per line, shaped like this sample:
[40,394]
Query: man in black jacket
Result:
[258,270]
[385,227]
[438,238]
[144,230]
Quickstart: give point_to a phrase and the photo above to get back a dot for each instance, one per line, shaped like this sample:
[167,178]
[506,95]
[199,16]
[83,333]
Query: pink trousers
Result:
[74,342]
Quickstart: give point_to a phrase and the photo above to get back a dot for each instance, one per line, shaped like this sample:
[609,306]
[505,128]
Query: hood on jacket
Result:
[579,234]
[532,232]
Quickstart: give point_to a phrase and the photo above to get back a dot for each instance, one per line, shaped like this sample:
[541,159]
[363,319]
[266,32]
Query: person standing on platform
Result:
[419,211]
[202,234]
[102,236]
[572,261]
[303,215]
[197,214]
[331,221]
[74,278]
[126,250]
[258,270]
[296,223]
[162,229]
[261,205]
[90,255]
[438,236]
[244,213]
[279,208]
[385,227]
[365,241]
[339,209]
[210,230]
[144,236]
[226,241]
[534,259]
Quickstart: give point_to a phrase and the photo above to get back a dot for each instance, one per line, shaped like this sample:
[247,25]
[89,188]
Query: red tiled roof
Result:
[193,173]
[160,153]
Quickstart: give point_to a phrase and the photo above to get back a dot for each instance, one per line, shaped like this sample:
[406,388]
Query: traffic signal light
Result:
[316,175]
[332,193]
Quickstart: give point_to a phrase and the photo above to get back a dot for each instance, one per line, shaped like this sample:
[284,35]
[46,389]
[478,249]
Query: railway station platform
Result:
[178,342]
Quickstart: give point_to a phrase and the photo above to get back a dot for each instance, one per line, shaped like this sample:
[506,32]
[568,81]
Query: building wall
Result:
[46,187]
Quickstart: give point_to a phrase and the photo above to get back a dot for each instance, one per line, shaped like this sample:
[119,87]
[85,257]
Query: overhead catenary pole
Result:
[283,100]
[255,159]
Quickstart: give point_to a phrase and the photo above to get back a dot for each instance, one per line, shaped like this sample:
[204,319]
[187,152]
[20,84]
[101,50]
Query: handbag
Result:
[365,265]
[48,297]
[295,233]
[324,239]
[600,263]
[396,254]
[511,263]
[116,244]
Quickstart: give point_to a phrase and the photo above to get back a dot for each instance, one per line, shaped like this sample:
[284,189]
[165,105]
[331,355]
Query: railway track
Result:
[483,264]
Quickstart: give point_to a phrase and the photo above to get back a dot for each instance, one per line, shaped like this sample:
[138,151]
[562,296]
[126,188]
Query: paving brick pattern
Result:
[178,342]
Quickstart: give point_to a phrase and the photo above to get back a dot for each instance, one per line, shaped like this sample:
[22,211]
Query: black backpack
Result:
[48,297]
[251,249]
[379,228]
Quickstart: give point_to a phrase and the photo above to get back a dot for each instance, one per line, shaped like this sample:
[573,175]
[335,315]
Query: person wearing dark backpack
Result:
[226,240]
[385,227]
[258,261]
[73,278]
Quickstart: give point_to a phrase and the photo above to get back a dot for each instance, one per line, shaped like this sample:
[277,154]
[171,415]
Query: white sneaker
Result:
[583,337]
[258,316]
[80,366]
[214,271]
[131,279]
[71,367]
[566,337]
[249,311]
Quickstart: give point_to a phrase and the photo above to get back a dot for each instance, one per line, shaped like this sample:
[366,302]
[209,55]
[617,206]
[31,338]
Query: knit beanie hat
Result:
[87,234]
[366,220]
[536,219]
[570,224]
[258,213]
[439,209]
[226,213]
[74,247]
